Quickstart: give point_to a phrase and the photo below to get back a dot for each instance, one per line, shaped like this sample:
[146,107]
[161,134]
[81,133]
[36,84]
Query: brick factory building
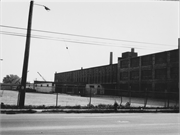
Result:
[133,75]
[155,73]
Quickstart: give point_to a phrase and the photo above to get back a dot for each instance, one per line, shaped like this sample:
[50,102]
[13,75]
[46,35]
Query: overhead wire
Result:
[65,40]
[95,43]
[84,36]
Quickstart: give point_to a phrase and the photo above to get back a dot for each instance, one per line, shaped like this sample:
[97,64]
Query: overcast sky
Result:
[149,27]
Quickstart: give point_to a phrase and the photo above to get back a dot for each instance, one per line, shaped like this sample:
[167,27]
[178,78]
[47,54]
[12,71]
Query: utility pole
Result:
[179,66]
[22,90]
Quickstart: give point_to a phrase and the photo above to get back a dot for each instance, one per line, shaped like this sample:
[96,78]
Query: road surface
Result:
[91,124]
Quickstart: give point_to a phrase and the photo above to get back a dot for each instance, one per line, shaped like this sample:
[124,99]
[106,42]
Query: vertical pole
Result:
[21,96]
[179,66]
[56,99]
[130,94]
[179,54]
[90,98]
[165,98]
[146,97]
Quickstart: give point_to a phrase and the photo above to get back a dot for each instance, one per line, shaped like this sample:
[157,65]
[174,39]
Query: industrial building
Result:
[154,74]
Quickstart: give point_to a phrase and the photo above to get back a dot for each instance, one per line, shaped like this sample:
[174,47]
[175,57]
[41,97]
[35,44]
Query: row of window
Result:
[148,74]
[160,58]
[173,87]
[41,85]
[91,79]
[85,73]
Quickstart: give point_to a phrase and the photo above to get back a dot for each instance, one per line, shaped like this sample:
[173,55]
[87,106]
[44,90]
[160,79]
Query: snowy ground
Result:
[10,97]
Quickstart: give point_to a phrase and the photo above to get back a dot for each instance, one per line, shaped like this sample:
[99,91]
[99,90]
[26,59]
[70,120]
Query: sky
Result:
[75,34]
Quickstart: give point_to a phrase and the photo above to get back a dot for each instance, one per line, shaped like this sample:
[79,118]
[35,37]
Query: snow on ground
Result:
[10,97]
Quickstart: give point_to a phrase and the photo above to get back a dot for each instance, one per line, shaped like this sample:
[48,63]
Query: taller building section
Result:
[155,73]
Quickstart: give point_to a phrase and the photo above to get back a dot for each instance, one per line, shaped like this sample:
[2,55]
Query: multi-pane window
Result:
[161,73]
[124,64]
[161,87]
[146,74]
[124,76]
[124,86]
[146,60]
[146,86]
[174,56]
[161,58]
[174,72]
[134,62]
[134,86]
[134,75]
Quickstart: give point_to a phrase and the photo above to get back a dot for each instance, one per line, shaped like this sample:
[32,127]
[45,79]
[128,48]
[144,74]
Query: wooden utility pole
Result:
[22,90]
[179,67]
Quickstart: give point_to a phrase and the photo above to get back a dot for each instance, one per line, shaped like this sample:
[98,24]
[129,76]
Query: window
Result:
[146,86]
[174,73]
[174,56]
[161,73]
[135,62]
[134,75]
[134,86]
[124,63]
[146,60]
[124,76]
[123,86]
[146,74]
[160,87]
[161,58]
[174,87]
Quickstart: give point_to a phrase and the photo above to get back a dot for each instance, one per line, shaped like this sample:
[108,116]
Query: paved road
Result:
[91,124]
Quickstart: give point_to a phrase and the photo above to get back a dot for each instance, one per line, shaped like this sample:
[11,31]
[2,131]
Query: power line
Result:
[102,38]
[68,40]
[60,39]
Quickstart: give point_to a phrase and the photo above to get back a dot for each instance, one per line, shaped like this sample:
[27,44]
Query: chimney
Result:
[111,58]
[132,49]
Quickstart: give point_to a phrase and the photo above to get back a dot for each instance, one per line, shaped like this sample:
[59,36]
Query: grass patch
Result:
[99,107]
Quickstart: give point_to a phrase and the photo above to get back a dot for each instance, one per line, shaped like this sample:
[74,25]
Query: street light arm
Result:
[42,6]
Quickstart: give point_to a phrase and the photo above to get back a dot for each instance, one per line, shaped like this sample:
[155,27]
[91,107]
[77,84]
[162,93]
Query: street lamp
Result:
[22,90]
[42,6]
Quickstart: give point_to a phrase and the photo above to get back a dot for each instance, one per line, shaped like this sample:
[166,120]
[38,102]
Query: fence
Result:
[134,98]
[144,98]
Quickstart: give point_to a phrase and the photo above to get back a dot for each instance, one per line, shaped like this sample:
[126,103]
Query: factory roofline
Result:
[86,68]
[149,54]
[114,63]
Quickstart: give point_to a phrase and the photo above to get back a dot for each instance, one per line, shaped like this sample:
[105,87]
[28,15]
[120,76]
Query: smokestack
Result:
[111,58]
[132,49]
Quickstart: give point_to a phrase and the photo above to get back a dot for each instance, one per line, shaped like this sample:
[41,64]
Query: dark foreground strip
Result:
[16,111]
